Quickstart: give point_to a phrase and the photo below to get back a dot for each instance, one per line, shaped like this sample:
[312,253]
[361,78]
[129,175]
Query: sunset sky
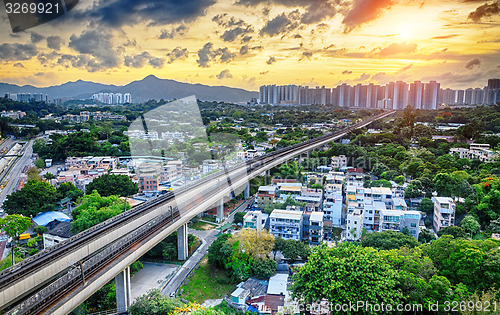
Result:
[248,43]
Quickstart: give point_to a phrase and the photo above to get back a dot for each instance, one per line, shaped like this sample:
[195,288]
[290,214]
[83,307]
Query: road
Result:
[207,238]
[16,171]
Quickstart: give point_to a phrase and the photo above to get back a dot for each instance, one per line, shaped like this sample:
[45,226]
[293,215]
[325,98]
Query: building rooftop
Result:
[399,202]
[316,216]
[278,284]
[443,199]
[62,229]
[291,188]
[50,216]
[286,214]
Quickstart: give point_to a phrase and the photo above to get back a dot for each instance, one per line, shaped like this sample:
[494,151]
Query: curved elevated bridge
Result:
[60,278]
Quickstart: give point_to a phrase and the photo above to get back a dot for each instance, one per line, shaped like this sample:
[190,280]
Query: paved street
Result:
[150,277]
[207,238]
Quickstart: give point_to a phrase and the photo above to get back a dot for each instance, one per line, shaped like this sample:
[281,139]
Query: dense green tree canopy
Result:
[344,274]
[94,210]
[154,303]
[107,185]
[33,198]
[388,240]
[15,224]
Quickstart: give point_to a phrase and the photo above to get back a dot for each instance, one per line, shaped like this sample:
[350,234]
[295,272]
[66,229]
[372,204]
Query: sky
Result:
[248,43]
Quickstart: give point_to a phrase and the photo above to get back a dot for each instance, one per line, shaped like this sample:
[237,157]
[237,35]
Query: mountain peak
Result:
[151,77]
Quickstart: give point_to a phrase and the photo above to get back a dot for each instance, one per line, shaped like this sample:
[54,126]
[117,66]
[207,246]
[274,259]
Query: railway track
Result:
[91,266]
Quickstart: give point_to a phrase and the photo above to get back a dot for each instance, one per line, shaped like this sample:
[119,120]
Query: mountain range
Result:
[148,88]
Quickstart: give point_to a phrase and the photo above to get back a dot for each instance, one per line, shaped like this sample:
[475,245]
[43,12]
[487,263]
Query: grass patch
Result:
[208,282]
[208,218]
[7,261]
[201,226]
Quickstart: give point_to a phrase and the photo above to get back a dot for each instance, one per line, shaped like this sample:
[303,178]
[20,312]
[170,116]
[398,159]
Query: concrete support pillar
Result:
[246,192]
[220,211]
[122,283]
[268,173]
[299,159]
[182,242]
[309,154]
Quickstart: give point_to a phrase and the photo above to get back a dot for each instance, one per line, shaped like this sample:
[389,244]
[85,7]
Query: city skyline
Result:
[249,43]
[393,95]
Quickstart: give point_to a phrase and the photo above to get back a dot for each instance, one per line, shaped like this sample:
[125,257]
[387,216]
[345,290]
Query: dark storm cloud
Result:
[363,11]
[36,38]
[138,61]
[486,10]
[271,60]
[346,72]
[46,58]
[306,55]
[282,24]
[79,61]
[19,65]
[11,52]
[315,10]
[117,13]
[473,63]
[208,54]
[363,77]
[244,50]
[54,42]
[156,62]
[224,74]
[234,28]
[96,48]
[169,34]
[177,54]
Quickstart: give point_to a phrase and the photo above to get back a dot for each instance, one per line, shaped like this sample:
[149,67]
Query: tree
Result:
[33,174]
[14,225]
[279,245]
[256,244]
[264,268]
[294,249]
[399,180]
[473,263]
[455,231]
[220,251]
[422,131]
[68,190]
[388,240]
[40,229]
[426,236]
[49,176]
[154,303]
[445,185]
[426,205]
[33,198]
[414,189]
[94,210]
[495,226]
[344,274]
[238,217]
[39,163]
[107,185]
[470,224]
